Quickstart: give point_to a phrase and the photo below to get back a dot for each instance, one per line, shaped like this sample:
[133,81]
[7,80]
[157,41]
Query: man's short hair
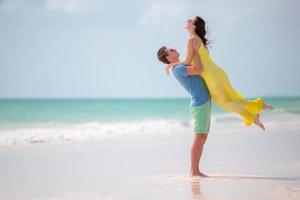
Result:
[162,54]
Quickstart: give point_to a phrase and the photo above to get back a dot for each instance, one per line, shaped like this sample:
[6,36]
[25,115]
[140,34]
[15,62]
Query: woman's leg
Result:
[258,122]
[232,101]
[266,106]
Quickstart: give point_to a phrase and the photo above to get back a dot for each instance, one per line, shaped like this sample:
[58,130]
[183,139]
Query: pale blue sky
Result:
[107,49]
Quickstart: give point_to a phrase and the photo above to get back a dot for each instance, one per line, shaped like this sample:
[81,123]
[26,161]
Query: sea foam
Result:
[93,131]
[89,131]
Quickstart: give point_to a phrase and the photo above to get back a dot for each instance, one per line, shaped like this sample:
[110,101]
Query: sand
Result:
[246,164]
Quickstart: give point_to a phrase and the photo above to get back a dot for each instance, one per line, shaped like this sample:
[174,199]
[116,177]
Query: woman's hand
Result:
[170,66]
[190,27]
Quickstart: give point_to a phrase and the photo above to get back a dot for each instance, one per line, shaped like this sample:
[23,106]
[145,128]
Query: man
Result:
[200,107]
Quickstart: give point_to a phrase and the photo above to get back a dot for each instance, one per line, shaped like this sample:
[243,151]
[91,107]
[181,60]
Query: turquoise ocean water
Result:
[34,117]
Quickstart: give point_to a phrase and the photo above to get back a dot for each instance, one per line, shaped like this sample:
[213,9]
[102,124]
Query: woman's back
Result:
[212,73]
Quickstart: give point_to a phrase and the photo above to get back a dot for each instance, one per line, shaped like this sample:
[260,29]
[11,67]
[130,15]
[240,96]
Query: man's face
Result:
[171,54]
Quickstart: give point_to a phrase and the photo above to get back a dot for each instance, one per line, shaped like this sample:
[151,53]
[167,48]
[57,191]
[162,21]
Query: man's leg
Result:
[201,117]
[196,152]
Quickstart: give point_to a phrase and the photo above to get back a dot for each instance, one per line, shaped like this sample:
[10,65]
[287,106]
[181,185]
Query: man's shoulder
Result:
[180,70]
[179,67]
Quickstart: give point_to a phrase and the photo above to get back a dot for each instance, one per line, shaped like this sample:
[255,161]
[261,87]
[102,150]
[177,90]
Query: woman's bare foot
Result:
[269,107]
[258,123]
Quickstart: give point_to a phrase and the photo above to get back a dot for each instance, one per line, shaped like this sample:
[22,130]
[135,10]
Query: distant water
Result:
[43,120]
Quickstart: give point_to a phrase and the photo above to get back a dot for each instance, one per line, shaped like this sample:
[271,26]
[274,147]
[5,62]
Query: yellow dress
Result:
[222,92]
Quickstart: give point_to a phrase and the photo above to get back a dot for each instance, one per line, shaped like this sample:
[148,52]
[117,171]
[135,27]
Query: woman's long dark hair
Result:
[200,29]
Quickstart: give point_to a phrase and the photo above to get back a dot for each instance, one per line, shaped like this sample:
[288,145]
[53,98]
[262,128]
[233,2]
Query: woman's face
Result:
[189,25]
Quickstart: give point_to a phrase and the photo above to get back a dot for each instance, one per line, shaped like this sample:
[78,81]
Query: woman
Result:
[216,79]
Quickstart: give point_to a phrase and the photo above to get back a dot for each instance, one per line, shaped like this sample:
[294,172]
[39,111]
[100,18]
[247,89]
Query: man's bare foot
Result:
[269,107]
[198,174]
[258,123]
[203,175]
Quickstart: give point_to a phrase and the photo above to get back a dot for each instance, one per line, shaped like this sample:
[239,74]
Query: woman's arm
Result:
[197,68]
[189,55]
[189,51]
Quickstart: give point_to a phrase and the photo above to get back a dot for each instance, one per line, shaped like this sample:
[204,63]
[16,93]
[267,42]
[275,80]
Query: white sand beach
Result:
[245,164]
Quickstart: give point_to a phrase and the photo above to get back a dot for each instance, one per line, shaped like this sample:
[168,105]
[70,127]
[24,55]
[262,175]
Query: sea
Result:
[30,121]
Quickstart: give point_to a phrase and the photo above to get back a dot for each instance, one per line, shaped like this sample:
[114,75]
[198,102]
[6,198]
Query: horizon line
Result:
[126,98]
